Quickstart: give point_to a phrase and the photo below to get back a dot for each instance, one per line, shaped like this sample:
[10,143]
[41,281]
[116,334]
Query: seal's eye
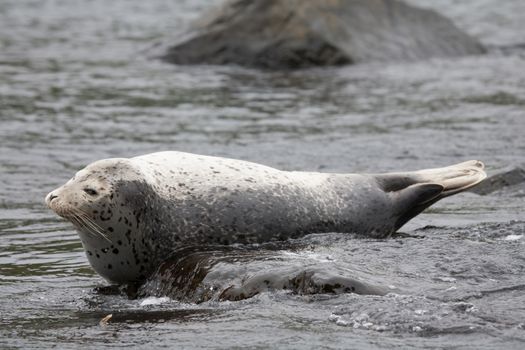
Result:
[90,191]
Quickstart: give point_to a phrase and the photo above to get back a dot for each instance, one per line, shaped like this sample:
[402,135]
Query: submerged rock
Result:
[237,273]
[298,280]
[282,34]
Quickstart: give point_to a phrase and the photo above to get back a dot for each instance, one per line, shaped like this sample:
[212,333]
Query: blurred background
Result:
[78,82]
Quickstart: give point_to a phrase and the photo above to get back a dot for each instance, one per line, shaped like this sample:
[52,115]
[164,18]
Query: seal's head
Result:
[88,189]
[91,189]
[100,201]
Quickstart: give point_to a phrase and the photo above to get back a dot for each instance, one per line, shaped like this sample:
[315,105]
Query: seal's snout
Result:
[50,197]
[55,201]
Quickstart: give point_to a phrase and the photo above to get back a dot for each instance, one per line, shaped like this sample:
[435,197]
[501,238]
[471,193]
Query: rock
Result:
[199,274]
[508,177]
[287,34]
[302,281]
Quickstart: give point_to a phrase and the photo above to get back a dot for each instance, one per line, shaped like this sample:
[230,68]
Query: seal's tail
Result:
[413,192]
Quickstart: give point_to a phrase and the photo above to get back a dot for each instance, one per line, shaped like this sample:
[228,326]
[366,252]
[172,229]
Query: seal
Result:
[133,213]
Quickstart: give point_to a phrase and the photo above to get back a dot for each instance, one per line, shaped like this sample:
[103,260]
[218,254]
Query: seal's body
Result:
[133,213]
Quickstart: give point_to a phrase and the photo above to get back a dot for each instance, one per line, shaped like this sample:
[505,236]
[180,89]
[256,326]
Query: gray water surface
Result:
[77,85]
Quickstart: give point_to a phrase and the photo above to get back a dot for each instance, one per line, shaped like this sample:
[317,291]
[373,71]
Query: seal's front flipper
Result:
[412,192]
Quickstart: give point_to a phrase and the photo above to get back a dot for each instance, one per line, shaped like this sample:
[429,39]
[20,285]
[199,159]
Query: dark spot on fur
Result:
[110,266]
[110,229]
[115,251]
[104,216]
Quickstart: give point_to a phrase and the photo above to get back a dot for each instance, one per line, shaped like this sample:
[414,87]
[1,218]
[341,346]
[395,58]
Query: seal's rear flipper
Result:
[455,178]
[415,191]
[412,200]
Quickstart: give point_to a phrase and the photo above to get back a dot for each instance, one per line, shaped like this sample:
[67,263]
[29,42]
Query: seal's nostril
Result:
[53,196]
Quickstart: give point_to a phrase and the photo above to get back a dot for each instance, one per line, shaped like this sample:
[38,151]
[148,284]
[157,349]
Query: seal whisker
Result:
[87,217]
[81,224]
[90,224]
[85,226]
[98,229]
[95,227]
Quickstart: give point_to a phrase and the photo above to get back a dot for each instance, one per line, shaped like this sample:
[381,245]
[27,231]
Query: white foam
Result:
[513,237]
[322,258]
[154,301]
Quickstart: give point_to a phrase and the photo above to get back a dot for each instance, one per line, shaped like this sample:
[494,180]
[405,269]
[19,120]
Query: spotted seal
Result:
[132,213]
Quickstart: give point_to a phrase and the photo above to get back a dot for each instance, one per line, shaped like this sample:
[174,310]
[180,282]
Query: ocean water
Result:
[77,84]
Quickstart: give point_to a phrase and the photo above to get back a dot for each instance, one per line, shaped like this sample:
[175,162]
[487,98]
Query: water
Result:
[77,86]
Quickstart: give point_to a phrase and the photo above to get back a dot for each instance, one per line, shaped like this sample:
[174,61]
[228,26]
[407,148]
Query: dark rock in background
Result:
[287,34]
[508,177]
